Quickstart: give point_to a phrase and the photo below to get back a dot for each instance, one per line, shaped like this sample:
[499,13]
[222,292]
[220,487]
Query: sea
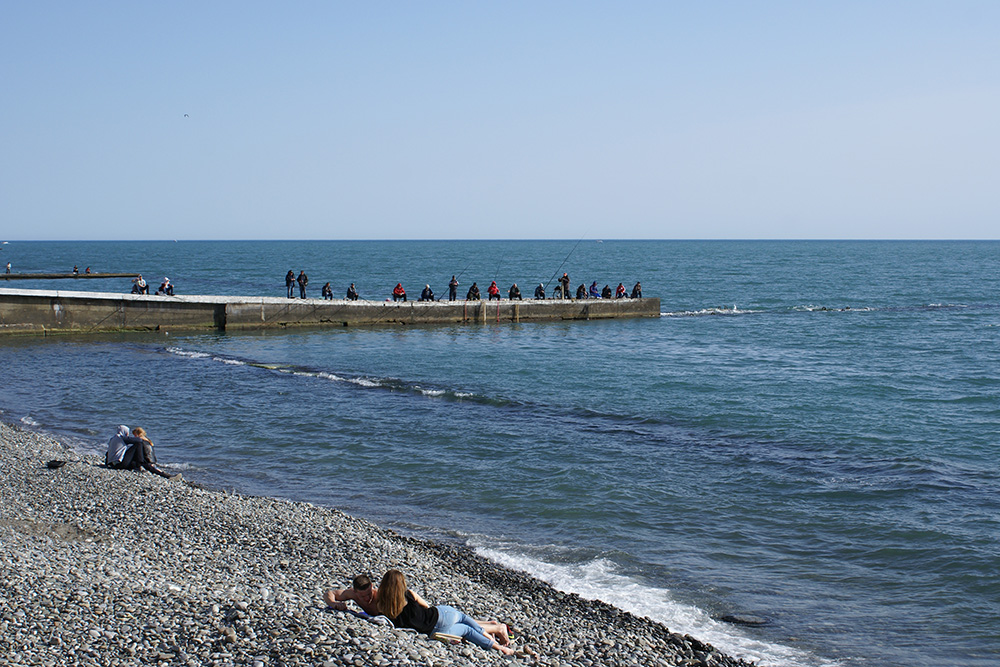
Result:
[807,437]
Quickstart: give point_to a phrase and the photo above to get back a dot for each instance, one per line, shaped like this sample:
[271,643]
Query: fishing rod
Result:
[563,262]
[498,266]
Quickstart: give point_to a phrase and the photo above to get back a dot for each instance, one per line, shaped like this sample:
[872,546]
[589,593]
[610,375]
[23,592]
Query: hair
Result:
[140,432]
[362,582]
[392,594]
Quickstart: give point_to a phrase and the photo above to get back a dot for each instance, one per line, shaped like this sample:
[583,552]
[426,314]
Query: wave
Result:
[601,579]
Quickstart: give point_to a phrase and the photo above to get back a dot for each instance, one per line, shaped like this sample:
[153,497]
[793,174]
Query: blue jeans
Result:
[453,622]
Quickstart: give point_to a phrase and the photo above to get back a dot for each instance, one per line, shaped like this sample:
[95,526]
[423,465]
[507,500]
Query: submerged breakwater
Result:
[806,435]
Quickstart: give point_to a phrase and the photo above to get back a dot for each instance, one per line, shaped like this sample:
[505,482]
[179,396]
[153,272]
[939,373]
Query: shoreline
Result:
[113,567]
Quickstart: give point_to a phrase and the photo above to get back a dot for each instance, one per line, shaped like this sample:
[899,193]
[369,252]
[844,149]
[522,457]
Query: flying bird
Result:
[186,116]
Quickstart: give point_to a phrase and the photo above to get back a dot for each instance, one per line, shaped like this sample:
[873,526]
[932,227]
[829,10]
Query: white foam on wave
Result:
[601,580]
[27,420]
[188,353]
[230,362]
[724,310]
[431,392]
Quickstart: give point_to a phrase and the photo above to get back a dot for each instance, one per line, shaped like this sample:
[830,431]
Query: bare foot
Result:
[506,650]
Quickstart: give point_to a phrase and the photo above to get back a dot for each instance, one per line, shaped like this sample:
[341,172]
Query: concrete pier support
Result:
[56,311]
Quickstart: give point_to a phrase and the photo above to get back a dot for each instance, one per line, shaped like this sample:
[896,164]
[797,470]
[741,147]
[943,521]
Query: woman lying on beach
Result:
[408,610]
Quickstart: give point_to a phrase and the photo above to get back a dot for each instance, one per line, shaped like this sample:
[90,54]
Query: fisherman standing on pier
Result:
[8,267]
[452,289]
[564,281]
[302,280]
[290,283]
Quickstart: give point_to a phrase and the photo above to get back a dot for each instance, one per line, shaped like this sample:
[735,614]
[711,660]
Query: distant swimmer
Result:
[352,293]
[398,293]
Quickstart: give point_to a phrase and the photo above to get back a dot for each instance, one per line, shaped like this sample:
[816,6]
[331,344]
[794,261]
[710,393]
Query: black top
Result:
[416,616]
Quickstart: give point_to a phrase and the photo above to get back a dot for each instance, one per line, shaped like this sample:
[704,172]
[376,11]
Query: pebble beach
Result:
[105,567]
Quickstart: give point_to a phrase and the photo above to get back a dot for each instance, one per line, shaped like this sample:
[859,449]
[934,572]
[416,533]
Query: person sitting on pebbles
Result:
[408,610]
[133,451]
[361,591]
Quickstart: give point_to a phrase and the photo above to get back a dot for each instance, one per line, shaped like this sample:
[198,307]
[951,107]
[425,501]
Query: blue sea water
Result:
[808,433]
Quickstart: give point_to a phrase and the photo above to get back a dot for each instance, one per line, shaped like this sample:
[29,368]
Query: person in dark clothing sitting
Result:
[637,291]
[132,451]
[606,292]
[473,293]
[327,292]
[540,291]
[352,293]
[514,292]
[427,294]
[581,291]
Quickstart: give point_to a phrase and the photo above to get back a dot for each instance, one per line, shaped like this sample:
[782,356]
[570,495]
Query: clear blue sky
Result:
[368,120]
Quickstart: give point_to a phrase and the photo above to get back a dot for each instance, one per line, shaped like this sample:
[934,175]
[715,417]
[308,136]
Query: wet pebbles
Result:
[103,567]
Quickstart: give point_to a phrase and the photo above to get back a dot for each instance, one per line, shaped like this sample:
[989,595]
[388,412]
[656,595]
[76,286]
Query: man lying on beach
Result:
[361,591]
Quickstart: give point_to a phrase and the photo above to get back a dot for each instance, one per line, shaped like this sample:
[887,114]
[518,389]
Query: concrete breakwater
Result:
[57,311]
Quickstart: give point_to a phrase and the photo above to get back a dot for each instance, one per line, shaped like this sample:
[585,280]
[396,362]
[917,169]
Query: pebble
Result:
[209,577]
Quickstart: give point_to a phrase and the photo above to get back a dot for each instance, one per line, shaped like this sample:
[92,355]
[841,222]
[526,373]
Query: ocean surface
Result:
[809,434]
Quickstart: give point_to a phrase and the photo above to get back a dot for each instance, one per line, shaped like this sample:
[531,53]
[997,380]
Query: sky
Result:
[499,120]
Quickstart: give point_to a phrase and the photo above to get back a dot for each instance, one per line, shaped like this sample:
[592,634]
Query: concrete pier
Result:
[60,276]
[57,311]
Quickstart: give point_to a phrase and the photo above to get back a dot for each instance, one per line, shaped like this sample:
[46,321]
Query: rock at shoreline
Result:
[105,567]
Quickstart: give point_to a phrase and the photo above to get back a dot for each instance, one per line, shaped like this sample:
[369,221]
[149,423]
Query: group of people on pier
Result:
[561,291]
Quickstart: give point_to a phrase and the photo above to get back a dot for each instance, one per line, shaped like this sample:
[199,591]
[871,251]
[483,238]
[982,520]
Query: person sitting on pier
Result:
[581,291]
[427,294]
[637,291]
[514,292]
[166,289]
[408,610]
[8,267]
[594,293]
[473,293]
[352,293]
[76,270]
[361,592]
[139,286]
[493,291]
[606,292]
[398,292]
[327,292]
[540,291]
[290,283]
[620,293]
